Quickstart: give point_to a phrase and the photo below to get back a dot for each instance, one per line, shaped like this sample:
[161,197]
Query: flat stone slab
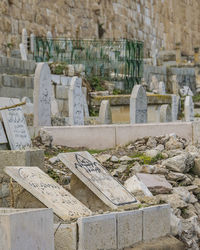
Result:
[157,184]
[22,229]
[49,192]
[16,128]
[98,232]
[156,222]
[129,228]
[98,179]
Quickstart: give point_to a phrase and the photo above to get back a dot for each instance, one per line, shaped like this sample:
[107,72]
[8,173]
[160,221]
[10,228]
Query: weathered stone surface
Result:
[48,192]
[98,232]
[157,184]
[173,143]
[26,229]
[105,116]
[65,236]
[165,113]
[156,222]
[97,179]
[151,153]
[196,168]
[189,109]
[129,228]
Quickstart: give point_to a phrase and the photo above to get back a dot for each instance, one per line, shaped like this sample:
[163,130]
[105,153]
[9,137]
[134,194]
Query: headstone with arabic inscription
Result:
[16,128]
[98,179]
[76,114]
[49,192]
[138,105]
[42,95]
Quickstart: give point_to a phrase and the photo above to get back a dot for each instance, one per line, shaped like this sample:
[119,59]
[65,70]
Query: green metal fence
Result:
[111,60]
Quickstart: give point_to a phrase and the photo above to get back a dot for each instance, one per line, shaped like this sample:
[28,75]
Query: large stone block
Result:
[156,222]
[97,232]
[22,229]
[30,157]
[65,236]
[129,228]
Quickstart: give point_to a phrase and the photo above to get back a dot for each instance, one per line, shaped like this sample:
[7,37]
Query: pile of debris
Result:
[162,169]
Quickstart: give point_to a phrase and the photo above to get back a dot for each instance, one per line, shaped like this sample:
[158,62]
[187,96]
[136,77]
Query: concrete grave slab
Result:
[48,192]
[98,179]
[156,222]
[156,183]
[22,229]
[98,232]
[129,228]
[16,128]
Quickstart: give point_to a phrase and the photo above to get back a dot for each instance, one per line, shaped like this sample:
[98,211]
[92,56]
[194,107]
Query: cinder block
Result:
[156,222]
[65,236]
[97,232]
[129,228]
[26,229]
[62,92]
[31,157]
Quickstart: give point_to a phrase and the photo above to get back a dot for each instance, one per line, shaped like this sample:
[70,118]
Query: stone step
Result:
[164,243]
[12,65]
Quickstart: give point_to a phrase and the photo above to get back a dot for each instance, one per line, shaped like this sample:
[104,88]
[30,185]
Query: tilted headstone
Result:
[32,42]
[23,52]
[175,104]
[105,116]
[3,139]
[76,116]
[24,39]
[138,105]
[16,128]
[98,179]
[49,192]
[161,88]
[165,113]
[42,95]
[189,109]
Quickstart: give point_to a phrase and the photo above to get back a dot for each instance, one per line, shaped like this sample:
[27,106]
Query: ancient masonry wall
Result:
[166,21]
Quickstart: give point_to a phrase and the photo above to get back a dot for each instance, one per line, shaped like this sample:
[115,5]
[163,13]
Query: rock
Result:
[159,169]
[176,225]
[181,163]
[157,184]
[149,169]
[185,90]
[160,148]
[125,158]
[119,170]
[114,158]
[185,194]
[53,160]
[136,168]
[136,187]
[174,200]
[175,152]
[176,176]
[46,138]
[196,168]
[151,143]
[192,149]
[173,143]
[164,155]
[103,158]
[151,153]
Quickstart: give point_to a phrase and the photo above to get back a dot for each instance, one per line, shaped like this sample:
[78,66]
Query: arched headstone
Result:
[42,95]
[165,113]
[189,109]
[76,115]
[138,105]
[23,52]
[161,88]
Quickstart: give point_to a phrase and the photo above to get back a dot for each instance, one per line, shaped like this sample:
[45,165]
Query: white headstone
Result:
[49,35]
[49,192]
[76,116]
[85,105]
[32,42]
[161,88]
[105,116]
[42,95]
[3,139]
[154,84]
[54,104]
[24,39]
[186,91]
[16,128]
[175,104]
[189,109]
[23,52]
[138,105]
[165,113]
[98,179]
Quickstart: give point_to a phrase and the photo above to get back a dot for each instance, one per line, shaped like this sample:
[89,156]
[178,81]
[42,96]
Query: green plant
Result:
[118,92]
[196,98]
[96,83]
[197,115]
[53,175]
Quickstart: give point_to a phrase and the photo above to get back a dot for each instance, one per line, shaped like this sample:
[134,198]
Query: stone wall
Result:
[166,21]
